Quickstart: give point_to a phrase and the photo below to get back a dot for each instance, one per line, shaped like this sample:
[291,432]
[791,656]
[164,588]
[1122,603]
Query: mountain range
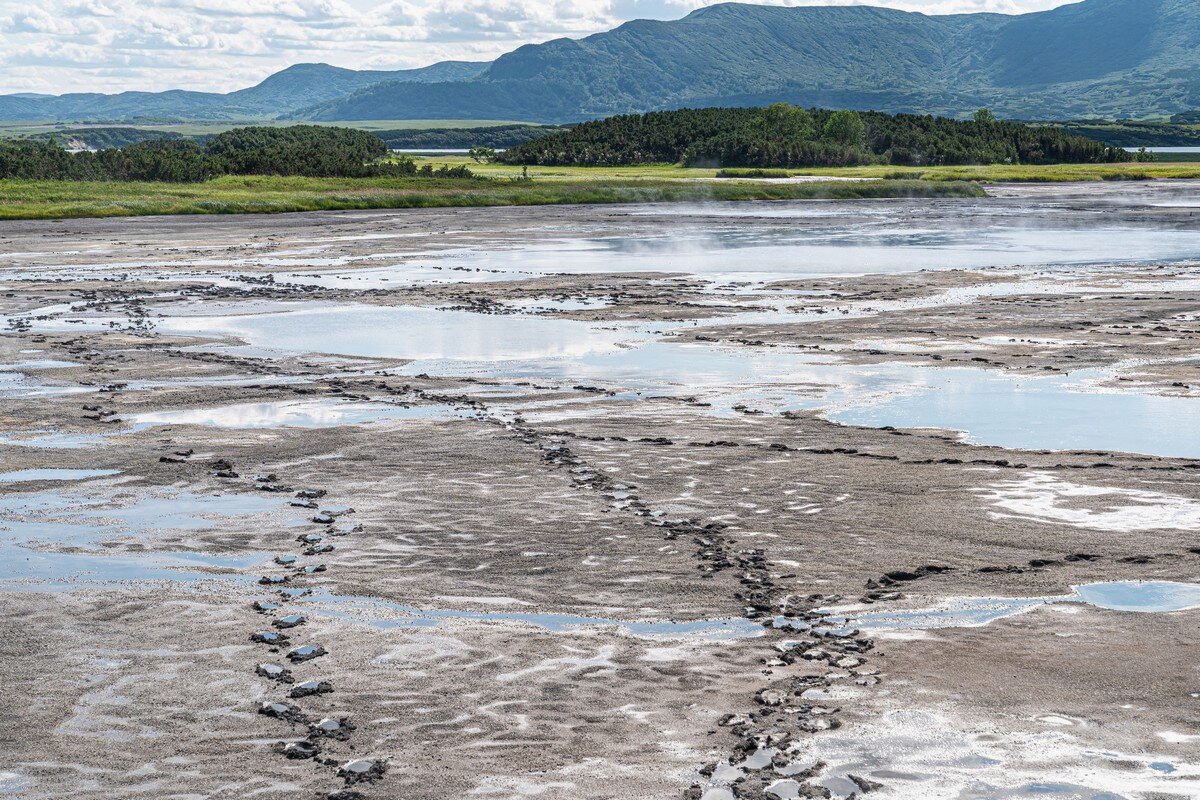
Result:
[276,97]
[1097,58]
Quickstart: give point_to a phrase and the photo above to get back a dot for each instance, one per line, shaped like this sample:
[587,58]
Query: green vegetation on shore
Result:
[1009,173]
[262,194]
[783,135]
[993,173]
[306,150]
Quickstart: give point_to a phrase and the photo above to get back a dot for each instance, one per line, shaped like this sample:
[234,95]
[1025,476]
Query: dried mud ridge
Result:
[797,635]
[767,762]
[291,679]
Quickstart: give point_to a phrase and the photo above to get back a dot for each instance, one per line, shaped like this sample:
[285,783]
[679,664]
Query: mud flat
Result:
[814,499]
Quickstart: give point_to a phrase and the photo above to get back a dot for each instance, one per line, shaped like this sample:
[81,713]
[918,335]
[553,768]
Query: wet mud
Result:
[583,502]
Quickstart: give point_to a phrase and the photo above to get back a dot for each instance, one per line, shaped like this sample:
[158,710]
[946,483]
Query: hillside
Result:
[280,94]
[1094,58]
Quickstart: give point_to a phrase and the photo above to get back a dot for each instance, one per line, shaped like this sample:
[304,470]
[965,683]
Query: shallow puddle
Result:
[75,520]
[850,248]
[34,475]
[26,570]
[399,332]
[994,408]
[323,413]
[384,614]
[973,612]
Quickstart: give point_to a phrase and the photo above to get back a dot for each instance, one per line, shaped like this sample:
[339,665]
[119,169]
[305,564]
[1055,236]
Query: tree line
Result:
[496,137]
[302,150]
[783,135]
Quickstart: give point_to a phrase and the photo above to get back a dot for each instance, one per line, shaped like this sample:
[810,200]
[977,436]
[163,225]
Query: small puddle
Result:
[60,440]
[973,612]
[25,570]
[323,413]
[78,519]
[34,475]
[36,519]
[400,332]
[385,614]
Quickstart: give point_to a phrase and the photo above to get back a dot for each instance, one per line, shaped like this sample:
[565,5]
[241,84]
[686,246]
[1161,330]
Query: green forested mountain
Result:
[787,136]
[281,93]
[1094,58]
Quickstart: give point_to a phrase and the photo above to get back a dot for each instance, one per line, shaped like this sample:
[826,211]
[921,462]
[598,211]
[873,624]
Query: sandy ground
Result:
[534,587]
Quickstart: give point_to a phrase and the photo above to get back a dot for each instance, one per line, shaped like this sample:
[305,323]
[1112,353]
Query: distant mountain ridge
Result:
[1096,58]
[282,93]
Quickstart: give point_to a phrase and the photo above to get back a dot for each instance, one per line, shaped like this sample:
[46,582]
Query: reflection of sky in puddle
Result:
[835,250]
[15,383]
[76,520]
[323,413]
[384,614]
[402,332]
[864,245]
[31,475]
[972,612]
[58,440]
[1051,412]
[1041,413]
[25,570]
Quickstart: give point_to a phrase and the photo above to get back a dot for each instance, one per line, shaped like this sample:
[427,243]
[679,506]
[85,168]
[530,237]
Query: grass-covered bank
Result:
[1166,167]
[1003,173]
[269,195]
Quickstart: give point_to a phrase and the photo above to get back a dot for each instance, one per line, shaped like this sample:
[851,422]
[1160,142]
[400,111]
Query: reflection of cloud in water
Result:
[399,332]
[322,413]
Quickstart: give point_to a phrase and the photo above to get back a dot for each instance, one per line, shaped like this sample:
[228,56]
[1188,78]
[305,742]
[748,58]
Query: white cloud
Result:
[220,45]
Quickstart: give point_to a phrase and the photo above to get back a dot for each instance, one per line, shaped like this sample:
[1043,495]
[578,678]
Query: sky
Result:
[57,46]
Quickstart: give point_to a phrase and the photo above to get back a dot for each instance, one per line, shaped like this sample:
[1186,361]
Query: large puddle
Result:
[837,249]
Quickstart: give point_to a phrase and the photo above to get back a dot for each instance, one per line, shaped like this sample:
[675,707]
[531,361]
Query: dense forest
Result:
[308,150]
[497,137]
[787,136]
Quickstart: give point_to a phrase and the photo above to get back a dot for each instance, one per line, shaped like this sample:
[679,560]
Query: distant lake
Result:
[1167,149]
[430,151]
